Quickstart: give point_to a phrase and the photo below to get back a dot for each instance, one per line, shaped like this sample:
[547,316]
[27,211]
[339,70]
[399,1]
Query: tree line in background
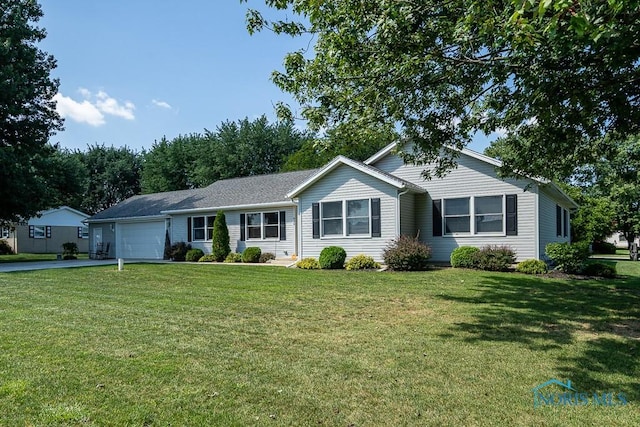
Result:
[102,176]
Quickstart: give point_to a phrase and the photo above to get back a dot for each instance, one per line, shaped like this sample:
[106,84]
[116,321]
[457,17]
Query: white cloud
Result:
[500,132]
[92,109]
[109,105]
[161,104]
[81,112]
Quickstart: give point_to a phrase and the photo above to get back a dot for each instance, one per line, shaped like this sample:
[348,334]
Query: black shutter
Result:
[375,218]
[79,232]
[189,229]
[242,228]
[283,225]
[558,220]
[48,231]
[512,215]
[315,214]
[565,228]
[437,217]
[32,232]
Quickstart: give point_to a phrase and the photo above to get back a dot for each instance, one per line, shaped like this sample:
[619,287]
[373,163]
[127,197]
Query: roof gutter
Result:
[126,219]
[229,208]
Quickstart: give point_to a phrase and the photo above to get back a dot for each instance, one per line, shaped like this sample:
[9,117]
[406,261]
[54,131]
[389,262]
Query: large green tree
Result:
[555,75]
[27,112]
[169,164]
[114,175]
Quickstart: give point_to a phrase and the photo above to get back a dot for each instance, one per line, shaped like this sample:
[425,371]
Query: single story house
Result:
[360,206]
[47,232]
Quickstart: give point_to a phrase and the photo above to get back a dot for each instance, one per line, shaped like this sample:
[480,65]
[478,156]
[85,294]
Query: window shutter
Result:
[243,237]
[437,217]
[565,228]
[375,218]
[558,220]
[315,214]
[283,225]
[79,232]
[48,231]
[32,232]
[189,229]
[512,215]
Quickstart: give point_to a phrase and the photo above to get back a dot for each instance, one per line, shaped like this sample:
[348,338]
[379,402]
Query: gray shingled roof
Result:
[246,191]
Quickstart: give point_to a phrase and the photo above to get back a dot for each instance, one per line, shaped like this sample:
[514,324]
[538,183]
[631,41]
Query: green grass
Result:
[171,344]
[34,257]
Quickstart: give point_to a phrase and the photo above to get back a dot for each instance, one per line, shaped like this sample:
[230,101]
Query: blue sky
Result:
[133,71]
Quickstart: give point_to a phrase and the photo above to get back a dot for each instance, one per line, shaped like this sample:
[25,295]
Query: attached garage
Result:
[141,240]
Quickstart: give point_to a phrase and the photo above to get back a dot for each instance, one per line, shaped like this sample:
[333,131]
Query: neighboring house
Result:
[47,232]
[620,241]
[360,206]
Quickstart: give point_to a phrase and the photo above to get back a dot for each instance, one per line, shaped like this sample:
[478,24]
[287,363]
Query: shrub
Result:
[568,257]
[308,264]
[332,258]
[179,251]
[532,266]
[407,253]
[604,248]
[70,250]
[233,257]
[251,254]
[600,269]
[463,257]
[267,256]
[194,255]
[207,258]
[220,241]
[5,249]
[494,258]
[362,262]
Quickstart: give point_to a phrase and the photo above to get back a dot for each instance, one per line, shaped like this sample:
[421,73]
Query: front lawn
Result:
[171,344]
[35,257]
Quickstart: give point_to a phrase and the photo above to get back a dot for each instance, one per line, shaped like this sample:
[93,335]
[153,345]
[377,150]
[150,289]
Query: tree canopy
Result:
[27,112]
[555,76]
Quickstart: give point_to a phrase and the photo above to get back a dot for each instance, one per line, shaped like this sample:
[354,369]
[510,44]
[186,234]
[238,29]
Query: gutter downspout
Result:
[402,193]
[536,223]
[297,247]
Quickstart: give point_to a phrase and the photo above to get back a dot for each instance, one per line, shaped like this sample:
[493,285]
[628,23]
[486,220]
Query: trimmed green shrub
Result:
[494,258]
[251,254]
[604,248]
[179,251]
[267,256]
[532,266]
[220,241]
[568,257]
[207,258]
[362,262]
[407,253]
[600,269]
[462,257]
[308,264]
[233,257]
[332,258]
[194,255]
[70,250]
[5,249]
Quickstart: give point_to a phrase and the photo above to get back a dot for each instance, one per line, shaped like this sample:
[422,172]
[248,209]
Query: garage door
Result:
[141,240]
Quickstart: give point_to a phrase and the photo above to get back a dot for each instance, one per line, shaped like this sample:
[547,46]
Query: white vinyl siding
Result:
[472,178]
[548,232]
[408,214]
[343,184]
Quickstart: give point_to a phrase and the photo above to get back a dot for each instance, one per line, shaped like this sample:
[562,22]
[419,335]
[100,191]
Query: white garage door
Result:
[141,240]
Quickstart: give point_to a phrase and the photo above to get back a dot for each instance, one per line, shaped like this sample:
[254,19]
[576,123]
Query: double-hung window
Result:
[254,226]
[346,218]
[38,232]
[5,233]
[457,218]
[488,214]
[263,225]
[271,225]
[202,227]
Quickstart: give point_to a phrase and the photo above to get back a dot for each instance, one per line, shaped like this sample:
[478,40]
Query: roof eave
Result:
[285,203]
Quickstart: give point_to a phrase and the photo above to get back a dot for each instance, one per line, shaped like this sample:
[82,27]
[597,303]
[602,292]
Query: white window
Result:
[346,218]
[84,233]
[202,227]
[457,219]
[38,232]
[474,215]
[488,214]
[5,233]
[265,225]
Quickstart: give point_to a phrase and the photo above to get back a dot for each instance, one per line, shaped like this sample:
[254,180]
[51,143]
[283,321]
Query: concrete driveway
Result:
[44,265]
